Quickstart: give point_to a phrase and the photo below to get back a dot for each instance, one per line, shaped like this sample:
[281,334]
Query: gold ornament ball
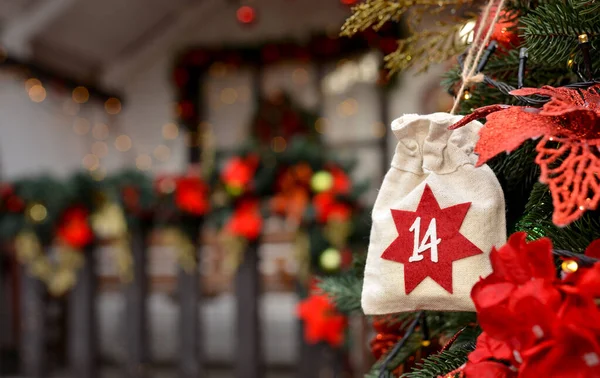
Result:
[321,181]
[425,343]
[234,190]
[37,212]
[569,266]
[330,260]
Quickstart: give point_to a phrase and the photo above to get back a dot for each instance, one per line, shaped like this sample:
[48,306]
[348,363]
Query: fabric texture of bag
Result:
[435,220]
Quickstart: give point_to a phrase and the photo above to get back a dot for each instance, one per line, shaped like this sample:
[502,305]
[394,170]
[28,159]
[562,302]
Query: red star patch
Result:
[429,242]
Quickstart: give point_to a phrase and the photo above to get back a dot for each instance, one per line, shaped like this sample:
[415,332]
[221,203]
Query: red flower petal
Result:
[488,369]
[492,295]
[593,250]
[488,347]
[573,353]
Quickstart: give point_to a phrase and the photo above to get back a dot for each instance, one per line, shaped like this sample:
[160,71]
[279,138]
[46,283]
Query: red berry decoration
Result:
[246,15]
[389,332]
[505,31]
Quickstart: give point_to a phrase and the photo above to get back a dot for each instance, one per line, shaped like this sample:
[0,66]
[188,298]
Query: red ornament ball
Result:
[505,32]
[246,14]
[348,2]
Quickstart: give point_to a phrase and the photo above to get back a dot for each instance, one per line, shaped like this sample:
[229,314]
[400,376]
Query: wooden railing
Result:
[83,343]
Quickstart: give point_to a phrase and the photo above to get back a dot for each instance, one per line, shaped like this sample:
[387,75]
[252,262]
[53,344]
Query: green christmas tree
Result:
[537,43]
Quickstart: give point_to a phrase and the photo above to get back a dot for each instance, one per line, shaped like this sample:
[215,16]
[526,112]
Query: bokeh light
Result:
[170,131]
[123,143]
[80,95]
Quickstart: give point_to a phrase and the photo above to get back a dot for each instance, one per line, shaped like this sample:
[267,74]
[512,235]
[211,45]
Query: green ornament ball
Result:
[321,181]
[330,260]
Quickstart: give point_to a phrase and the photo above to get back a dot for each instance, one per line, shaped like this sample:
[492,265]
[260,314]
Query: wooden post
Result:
[33,330]
[316,360]
[384,105]
[190,352]
[247,287]
[82,333]
[136,295]
[5,309]
[322,361]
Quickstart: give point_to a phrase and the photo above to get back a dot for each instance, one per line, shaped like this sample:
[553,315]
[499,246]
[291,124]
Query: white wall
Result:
[39,137]
[149,106]
[35,137]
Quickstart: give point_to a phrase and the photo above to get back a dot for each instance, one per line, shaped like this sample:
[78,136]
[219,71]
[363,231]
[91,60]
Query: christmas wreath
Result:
[312,193]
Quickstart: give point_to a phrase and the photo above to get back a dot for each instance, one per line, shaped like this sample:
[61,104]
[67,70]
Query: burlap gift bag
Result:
[435,220]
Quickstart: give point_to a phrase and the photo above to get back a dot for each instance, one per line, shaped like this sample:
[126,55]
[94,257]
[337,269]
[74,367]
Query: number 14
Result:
[430,241]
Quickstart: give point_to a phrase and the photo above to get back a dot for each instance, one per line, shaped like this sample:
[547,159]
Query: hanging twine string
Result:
[468,74]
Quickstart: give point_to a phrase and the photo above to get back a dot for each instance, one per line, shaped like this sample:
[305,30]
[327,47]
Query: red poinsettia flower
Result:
[322,322]
[238,171]
[522,272]
[341,181]
[551,327]
[584,282]
[246,220]
[490,359]
[74,228]
[570,349]
[191,195]
[328,208]
[569,125]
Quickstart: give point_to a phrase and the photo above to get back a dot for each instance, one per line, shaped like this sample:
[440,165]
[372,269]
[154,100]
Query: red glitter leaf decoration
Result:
[568,153]
[570,168]
[504,130]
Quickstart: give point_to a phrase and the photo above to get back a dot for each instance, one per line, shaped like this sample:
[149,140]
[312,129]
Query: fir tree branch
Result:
[588,8]
[551,31]
[344,290]
[413,343]
[440,323]
[537,222]
[440,364]
[392,354]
